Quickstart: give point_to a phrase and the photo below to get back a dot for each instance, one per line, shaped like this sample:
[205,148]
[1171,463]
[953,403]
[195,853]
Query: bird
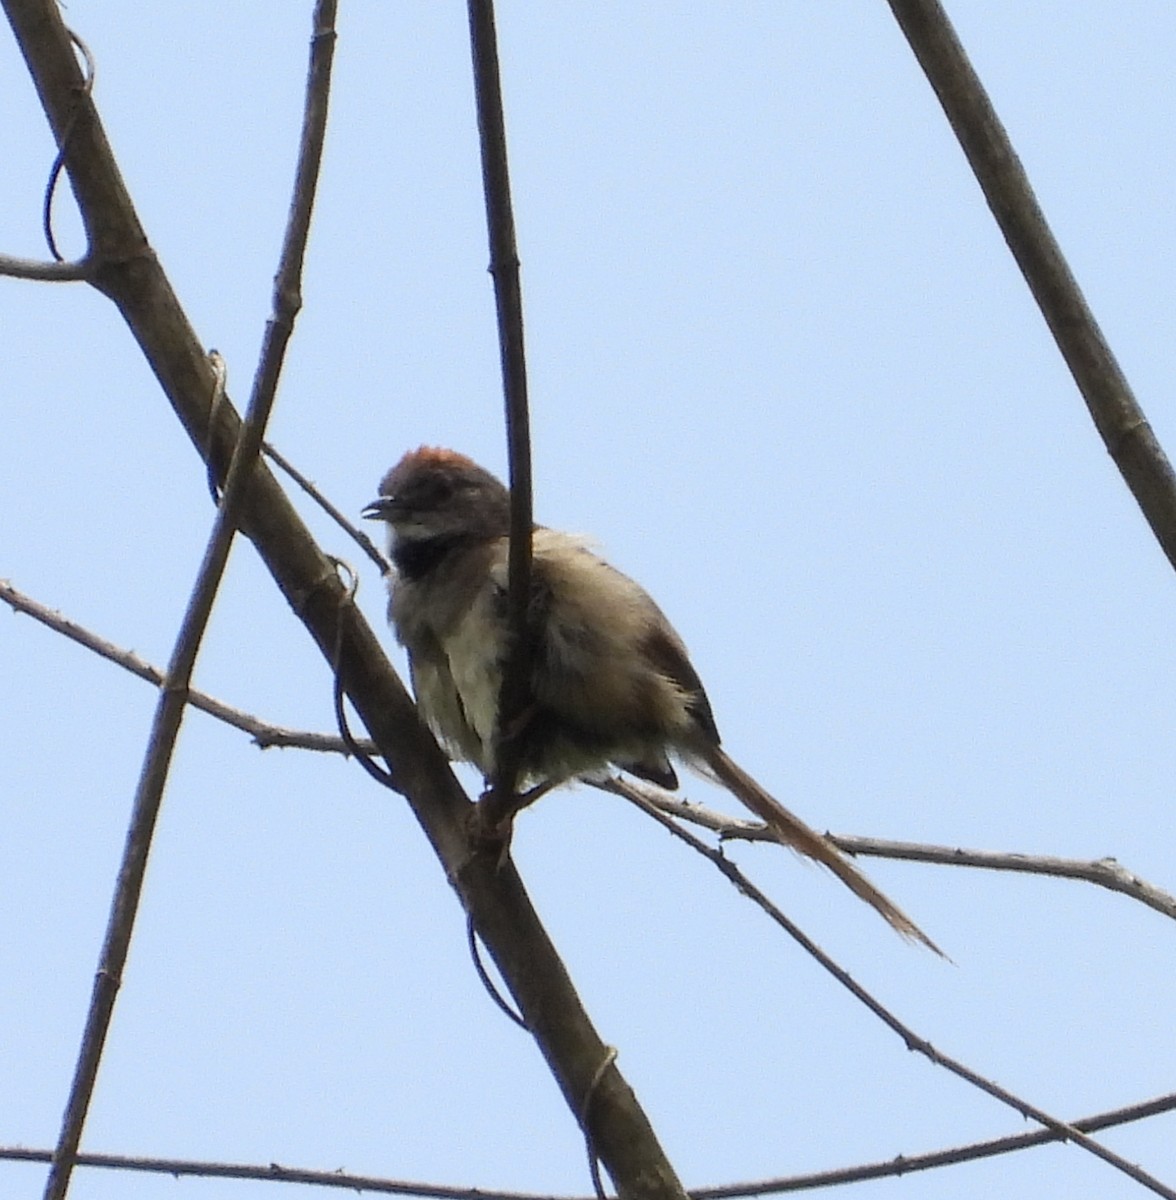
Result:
[611,685]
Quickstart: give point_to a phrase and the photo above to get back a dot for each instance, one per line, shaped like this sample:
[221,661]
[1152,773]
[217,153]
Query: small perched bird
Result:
[611,684]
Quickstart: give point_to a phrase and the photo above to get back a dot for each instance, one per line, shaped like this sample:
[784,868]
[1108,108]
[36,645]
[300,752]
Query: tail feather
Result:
[793,832]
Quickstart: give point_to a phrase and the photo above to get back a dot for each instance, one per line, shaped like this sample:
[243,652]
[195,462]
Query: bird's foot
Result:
[491,824]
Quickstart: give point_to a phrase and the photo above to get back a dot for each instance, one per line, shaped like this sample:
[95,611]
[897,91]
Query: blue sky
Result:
[784,369]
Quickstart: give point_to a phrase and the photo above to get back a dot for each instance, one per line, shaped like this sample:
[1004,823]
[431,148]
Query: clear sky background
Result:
[784,369]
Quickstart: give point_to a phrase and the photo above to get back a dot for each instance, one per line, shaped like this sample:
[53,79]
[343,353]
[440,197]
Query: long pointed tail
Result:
[793,832]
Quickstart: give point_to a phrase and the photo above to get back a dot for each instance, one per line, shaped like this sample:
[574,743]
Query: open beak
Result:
[379,510]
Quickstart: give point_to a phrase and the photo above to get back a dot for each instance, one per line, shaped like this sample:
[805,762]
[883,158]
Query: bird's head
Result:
[433,494]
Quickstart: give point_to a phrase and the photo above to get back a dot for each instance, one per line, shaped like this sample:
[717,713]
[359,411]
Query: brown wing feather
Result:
[665,651]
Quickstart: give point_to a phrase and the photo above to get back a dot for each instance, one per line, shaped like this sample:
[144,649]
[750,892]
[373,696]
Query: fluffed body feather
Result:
[612,684]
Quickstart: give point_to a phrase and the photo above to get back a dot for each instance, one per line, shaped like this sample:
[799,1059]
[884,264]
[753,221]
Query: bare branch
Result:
[273,1173]
[264,733]
[1062,1130]
[491,891]
[46,272]
[1105,872]
[515,693]
[1117,415]
[903,1164]
[169,712]
[357,535]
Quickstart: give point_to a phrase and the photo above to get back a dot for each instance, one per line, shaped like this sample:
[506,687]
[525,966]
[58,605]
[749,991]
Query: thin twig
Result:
[515,693]
[357,535]
[903,1164]
[46,272]
[275,1173]
[264,734]
[173,698]
[1064,1131]
[145,810]
[1105,872]
[1116,413]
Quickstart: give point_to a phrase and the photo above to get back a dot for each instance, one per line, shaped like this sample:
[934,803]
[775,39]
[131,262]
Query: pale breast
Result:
[474,647]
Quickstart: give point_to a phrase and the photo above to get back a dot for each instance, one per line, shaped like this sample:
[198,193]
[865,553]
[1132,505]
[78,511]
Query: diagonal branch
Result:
[360,538]
[493,894]
[1117,416]
[264,734]
[173,697]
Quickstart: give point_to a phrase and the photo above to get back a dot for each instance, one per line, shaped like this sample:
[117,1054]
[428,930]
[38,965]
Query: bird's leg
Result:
[492,821]
[494,814]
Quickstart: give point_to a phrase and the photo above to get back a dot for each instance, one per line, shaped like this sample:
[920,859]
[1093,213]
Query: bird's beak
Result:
[378,510]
